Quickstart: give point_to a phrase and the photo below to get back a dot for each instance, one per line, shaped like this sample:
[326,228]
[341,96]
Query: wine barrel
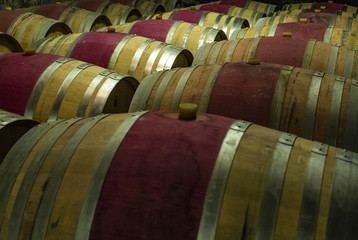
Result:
[330,6]
[320,104]
[177,33]
[147,7]
[319,32]
[49,87]
[79,20]
[326,19]
[308,54]
[123,53]
[153,176]
[248,14]
[28,28]
[116,12]
[8,44]
[227,24]
[170,5]
[253,5]
[12,127]
[329,20]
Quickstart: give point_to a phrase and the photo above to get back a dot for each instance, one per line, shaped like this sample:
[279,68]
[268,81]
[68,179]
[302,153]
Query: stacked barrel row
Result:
[88,172]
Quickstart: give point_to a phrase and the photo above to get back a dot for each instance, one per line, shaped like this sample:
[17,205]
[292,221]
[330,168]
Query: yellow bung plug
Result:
[8,8]
[330,1]
[58,3]
[158,17]
[29,52]
[253,61]
[317,10]
[287,34]
[111,29]
[322,7]
[303,20]
[192,8]
[187,111]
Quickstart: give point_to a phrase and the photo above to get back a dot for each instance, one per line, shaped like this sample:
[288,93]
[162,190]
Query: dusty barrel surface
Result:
[116,12]
[79,20]
[127,177]
[123,53]
[307,103]
[248,14]
[228,24]
[28,28]
[8,44]
[319,32]
[177,33]
[49,87]
[309,54]
[12,127]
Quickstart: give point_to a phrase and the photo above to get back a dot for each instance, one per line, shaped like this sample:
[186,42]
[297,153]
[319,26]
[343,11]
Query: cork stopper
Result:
[287,34]
[158,17]
[29,52]
[303,20]
[187,111]
[317,10]
[253,61]
[8,8]
[111,29]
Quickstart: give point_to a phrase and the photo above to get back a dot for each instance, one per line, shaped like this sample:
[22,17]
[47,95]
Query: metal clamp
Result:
[241,126]
[320,148]
[344,155]
[106,73]
[85,65]
[287,139]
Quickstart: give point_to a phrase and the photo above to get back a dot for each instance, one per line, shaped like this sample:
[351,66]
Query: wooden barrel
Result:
[147,7]
[8,44]
[28,28]
[49,87]
[271,95]
[121,14]
[329,20]
[333,35]
[248,14]
[331,7]
[79,20]
[308,54]
[228,24]
[324,6]
[12,127]
[326,19]
[153,176]
[177,33]
[170,5]
[123,53]
[116,12]
[253,5]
